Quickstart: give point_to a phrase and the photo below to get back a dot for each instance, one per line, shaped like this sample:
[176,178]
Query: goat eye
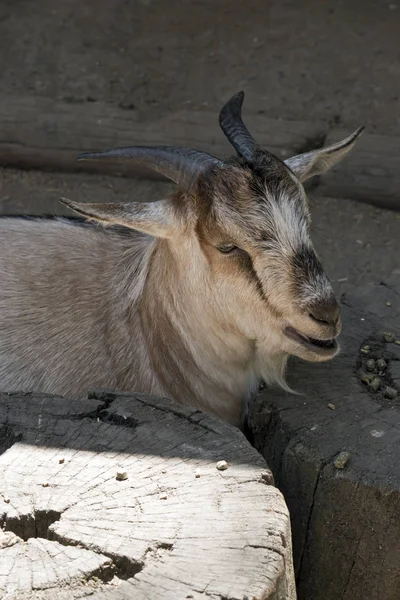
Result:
[227,248]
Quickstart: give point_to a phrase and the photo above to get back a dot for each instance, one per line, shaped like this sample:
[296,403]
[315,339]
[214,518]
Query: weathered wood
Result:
[370,173]
[171,526]
[346,522]
[40,133]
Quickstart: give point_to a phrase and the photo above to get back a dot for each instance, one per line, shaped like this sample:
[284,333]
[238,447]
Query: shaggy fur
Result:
[160,305]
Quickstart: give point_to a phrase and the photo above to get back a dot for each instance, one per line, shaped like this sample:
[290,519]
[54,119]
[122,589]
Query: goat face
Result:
[253,226]
[244,225]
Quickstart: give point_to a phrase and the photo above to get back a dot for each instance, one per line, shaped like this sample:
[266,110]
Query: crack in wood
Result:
[116,419]
[73,521]
[32,525]
[8,437]
[37,525]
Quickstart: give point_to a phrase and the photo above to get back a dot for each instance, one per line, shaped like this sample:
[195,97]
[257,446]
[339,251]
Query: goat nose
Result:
[326,313]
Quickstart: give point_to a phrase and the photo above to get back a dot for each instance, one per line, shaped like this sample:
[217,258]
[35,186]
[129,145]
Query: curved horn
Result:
[181,165]
[230,120]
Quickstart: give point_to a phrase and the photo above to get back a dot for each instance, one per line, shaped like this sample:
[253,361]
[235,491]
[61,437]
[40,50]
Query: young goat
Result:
[197,297]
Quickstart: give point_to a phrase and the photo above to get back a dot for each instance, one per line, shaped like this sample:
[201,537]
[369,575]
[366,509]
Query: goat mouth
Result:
[318,346]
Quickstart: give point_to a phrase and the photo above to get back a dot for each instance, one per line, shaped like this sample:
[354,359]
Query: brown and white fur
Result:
[197,297]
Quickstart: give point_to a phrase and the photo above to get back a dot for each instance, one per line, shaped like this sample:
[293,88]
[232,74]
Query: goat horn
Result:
[230,120]
[181,165]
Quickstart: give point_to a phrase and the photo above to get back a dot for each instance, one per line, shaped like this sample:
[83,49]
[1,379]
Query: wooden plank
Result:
[370,173]
[171,525]
[39,133]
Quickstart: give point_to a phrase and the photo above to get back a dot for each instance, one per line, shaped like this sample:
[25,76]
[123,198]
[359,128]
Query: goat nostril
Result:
[325,314]
[318,319]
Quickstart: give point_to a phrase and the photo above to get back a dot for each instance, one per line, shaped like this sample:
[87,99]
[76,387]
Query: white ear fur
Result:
[158,219]
[315,162]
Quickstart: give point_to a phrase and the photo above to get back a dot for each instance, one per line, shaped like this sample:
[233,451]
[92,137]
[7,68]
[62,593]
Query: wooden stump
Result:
[121,497]
[345,508]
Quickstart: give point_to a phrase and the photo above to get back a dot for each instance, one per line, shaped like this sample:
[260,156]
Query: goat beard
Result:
[273,371]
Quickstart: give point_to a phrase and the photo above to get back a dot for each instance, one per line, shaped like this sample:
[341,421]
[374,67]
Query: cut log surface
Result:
[335,454]
[121,497]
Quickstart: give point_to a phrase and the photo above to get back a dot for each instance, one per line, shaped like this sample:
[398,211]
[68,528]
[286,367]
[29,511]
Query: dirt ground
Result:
[325,59]
[335,61]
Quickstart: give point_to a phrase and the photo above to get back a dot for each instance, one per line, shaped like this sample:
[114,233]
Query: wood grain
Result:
[174,527]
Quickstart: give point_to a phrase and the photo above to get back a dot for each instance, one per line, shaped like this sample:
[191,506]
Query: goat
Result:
[197,297]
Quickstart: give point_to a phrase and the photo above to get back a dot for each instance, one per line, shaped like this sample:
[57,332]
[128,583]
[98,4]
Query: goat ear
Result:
[158,219]
[315,162]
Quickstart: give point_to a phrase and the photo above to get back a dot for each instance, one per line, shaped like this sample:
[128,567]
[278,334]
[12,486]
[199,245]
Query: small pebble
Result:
[397,342]
[61,461]
[341,460]
[375,384]
[365,378]
[365,350]
[370,364]
[388,304]
[163,496]
[197,475]
[6,499]
[390,392]
[121,476]
[267,477]
[331,406]
[381,363]
[222,465]
[45,484]
[389,337]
